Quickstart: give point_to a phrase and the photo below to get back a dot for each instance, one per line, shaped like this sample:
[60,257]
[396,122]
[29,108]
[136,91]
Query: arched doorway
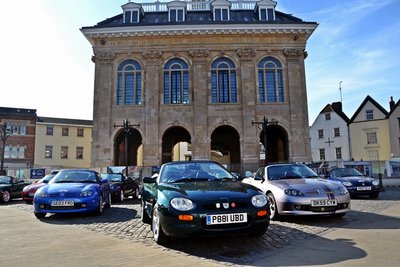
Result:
[225,145]
[173,141]
[277,144]
[134,144]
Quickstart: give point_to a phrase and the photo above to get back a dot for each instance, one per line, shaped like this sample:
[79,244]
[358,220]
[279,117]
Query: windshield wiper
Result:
[224,179]
[190,179]
[290,177]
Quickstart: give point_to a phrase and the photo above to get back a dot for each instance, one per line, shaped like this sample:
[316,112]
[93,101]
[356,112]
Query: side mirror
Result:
[149,180]
[104,181]
[45,181]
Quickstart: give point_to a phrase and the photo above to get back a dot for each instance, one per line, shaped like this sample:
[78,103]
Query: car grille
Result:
[76,206]
[67,194]
[213,206]
[340,206]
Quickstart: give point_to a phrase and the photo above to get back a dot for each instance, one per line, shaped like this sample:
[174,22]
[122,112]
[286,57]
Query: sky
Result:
[46,61]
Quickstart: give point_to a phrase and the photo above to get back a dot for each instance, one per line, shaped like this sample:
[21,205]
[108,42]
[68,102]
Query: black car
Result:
[356,183]
[11,187]
[201,198]
[121,186]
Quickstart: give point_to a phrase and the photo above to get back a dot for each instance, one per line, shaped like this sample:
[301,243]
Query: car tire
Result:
[100,208]
[274,213]
[6,197]
[121,196]
[144,216]
[40,215]
[108,204]
[137,193]
[158,233]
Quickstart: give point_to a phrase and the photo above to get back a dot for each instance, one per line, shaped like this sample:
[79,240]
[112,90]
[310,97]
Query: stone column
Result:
[103,93]
[250,148]
[152,139]
[200,140]
[299,137]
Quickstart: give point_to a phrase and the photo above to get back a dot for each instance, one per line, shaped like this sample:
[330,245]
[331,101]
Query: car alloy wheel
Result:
[101,206]
[158,233]
[121,195]
[272,206]
[6,196]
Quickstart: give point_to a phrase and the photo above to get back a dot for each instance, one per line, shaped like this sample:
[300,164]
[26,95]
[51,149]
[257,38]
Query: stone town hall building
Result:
[200,72]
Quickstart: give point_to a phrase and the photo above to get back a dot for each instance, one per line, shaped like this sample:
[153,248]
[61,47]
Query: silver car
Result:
[295,189]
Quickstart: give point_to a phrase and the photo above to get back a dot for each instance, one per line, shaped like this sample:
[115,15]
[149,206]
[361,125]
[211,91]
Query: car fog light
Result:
[83,205]
[297,207]
[41,206]
[183,217]
[262,213]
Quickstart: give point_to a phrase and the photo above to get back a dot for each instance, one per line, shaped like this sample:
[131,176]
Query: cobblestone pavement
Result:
[123,221]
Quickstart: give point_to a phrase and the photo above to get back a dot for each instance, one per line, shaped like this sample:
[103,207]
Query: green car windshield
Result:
[194,171]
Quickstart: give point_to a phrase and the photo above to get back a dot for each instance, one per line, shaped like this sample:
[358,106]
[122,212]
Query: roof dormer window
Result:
[176,15]
[221,10]
[176,11]
[131,16]
[132,13]
[266,10]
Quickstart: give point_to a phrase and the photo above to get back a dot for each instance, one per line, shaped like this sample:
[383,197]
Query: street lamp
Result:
[5,133]
[127,130]
[264,124]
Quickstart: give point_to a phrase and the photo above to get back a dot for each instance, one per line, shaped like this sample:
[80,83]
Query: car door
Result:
[129,185]
[17,185]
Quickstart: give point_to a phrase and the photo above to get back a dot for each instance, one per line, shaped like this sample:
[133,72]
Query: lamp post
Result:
[264,124]
[127,130]
[5,133]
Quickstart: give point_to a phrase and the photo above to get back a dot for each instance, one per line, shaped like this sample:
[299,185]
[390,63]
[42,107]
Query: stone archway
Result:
[277,144]
[225,145]
[172,137]
[134,143]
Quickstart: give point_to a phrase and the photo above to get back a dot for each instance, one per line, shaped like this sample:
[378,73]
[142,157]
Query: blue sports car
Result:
[73,191]
[356,183]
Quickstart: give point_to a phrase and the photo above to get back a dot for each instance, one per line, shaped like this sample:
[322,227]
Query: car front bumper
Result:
[172,226]
[84,204]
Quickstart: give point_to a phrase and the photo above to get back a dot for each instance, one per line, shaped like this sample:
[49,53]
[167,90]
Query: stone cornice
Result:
[299,29]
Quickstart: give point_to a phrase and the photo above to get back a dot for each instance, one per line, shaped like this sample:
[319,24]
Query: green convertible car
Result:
[201,198]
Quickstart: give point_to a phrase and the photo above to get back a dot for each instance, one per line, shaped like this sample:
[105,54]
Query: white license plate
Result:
[226,218]
[62,203]
[323,202]
[363,188]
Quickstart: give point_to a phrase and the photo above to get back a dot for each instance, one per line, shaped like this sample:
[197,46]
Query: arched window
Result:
[176,82]
[14,152]
[7,152]
[270,80]
[129,87]
[223,81]
[21,152]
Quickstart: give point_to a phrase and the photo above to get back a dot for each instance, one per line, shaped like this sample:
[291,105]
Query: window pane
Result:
[127,16]
[271,91]
[270,14]
[263,14]
[64,152]
[129,82]
[65,131]
[119,90]
[49,130]
[135,17]
[180,15]
[79,152]
[138,89]
[225,14]
[261,85]
[217,14]
[48,152]
[172,15]
[79,132]
[166,88]
[214,87]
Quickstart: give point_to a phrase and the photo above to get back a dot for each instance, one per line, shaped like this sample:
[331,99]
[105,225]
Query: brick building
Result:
[200,72]
[19,148]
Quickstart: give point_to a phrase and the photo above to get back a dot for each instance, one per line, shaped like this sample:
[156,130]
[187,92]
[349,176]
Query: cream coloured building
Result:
[62,143]
[204,73]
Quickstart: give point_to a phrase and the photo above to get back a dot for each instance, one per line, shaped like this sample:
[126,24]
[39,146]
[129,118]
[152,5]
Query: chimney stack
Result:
[391,103]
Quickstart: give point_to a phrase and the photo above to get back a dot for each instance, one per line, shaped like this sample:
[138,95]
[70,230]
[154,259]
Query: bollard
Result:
[381,188]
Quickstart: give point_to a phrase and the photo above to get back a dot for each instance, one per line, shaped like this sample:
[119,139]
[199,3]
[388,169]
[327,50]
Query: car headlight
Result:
[182,204]
[293,192]
[87,193]
[375,183]
[259,200]
[342,191]
[41,194]
[26,188]
[347,183]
